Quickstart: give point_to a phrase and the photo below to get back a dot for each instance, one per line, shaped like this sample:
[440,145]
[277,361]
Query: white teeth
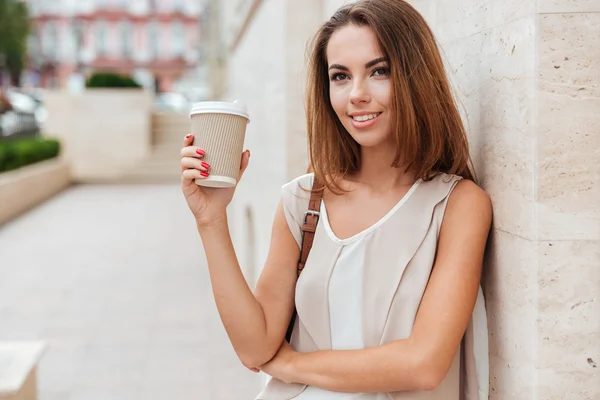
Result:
[363,118]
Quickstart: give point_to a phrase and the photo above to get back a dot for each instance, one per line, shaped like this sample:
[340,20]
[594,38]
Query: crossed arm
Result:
[421,361]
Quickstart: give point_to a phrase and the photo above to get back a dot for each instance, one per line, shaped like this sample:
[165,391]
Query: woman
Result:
[389,303]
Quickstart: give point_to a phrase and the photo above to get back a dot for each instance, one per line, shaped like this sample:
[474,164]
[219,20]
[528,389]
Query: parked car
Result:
[23,117]
[28,103]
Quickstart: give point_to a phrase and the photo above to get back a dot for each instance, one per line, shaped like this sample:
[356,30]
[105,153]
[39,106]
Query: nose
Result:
[359,93]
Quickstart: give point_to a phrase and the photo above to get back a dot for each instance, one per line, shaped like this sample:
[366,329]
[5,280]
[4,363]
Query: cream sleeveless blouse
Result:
[396,256]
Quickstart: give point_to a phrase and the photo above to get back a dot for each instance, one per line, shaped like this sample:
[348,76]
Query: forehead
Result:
[353,44]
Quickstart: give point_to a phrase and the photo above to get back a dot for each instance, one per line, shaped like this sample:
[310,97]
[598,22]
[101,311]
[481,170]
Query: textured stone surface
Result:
[568,323]
[569,127]
[114,279]
[568,6]
[509,283]
[568,202]
[460,19]
[506,127]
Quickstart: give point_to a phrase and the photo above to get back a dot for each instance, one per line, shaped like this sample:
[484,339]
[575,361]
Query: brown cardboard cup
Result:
[219,128]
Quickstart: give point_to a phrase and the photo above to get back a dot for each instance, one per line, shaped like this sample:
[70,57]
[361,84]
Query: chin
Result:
[369,139]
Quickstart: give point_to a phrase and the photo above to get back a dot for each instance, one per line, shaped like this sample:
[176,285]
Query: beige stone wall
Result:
[527,77]
[256,76]
[567,190]
[529,82]
[104,132]
[266,71]
[489,49]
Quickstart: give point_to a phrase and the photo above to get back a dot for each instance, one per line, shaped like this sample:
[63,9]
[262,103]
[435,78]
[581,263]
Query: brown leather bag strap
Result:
[311,219]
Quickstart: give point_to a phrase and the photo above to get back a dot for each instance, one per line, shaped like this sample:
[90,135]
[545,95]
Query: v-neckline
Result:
[371,228]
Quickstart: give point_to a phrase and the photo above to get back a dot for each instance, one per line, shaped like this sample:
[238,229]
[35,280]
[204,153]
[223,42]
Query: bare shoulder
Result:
[465,229]
[468,205]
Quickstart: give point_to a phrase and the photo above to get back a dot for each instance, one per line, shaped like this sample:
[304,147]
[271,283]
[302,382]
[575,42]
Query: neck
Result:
[376,170]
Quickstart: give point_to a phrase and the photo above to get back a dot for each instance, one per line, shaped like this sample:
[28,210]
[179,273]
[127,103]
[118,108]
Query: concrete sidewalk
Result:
[114,278]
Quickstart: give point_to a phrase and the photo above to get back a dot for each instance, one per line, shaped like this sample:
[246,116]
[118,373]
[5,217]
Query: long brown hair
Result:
[430,136]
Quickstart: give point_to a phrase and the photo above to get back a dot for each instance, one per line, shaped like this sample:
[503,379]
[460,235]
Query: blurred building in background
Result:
[157,42]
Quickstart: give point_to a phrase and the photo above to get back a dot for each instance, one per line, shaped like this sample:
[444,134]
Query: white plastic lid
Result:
[220,107]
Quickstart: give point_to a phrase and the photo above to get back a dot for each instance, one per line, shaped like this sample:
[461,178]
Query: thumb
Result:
[244,163]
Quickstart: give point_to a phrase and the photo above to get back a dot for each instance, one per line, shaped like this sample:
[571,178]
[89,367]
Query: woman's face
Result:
[360,86]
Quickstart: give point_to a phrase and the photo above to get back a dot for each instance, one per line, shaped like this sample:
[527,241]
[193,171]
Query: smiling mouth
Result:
[364,118]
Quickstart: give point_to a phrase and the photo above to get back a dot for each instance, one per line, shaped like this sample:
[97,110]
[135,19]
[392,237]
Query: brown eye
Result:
[338,76]
[381,72]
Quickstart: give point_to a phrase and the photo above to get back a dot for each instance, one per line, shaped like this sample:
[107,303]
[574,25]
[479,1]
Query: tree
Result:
[14,32]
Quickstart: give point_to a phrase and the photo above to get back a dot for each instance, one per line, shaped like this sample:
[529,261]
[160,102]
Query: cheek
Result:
[338,96]
[381,92]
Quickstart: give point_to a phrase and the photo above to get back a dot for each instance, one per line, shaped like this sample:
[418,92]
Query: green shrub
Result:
[20,152]
[110,80]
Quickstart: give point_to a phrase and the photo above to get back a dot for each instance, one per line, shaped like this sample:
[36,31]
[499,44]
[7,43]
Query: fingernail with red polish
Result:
[200,152]
[205,165]
[204,174]
[188,136]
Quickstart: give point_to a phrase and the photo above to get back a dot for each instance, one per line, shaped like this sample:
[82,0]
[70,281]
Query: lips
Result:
[364,117]
[364,120]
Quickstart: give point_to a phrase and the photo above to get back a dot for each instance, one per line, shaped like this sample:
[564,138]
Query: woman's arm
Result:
[256,325]
[421,361]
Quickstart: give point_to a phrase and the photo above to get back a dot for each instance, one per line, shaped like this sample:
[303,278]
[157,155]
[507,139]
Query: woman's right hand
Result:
[207,204]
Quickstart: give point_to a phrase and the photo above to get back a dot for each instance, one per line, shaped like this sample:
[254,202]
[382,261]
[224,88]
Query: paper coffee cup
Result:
[219,128]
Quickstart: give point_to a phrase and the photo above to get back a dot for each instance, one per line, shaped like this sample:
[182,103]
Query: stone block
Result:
[26,187]
[105,132]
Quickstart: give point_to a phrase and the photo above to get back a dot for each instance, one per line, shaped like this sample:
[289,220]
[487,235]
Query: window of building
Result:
[179,5]
[126,39]
[153,38]
[101,37]
[77,39]
[179,39]
[50,40]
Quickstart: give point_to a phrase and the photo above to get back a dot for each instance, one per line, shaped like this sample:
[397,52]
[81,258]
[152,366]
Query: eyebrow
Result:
[367,65]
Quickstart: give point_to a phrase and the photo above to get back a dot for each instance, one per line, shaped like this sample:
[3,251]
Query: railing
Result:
[16,124]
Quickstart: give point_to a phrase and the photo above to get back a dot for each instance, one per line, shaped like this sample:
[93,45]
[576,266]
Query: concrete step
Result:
[167,135]
[162,165]
[169,127]
[181,130]
[166,124]
[149,171]
[146,177]
[168,149]
[165,120]
[164,153]
[161,123]
[158,166]
[166,115]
